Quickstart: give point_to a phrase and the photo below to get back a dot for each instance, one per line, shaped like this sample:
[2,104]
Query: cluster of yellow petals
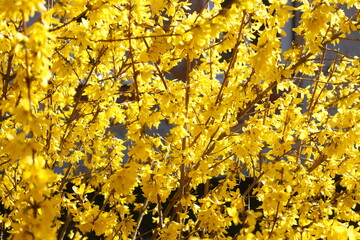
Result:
[70,133]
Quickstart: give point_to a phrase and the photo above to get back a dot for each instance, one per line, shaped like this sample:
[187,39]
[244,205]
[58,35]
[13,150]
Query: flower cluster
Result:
[87,90]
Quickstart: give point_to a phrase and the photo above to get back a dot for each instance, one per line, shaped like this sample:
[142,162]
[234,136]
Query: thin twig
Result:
[139,220]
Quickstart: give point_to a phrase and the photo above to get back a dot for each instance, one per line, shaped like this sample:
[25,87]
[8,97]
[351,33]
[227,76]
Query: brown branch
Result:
[232,62]
[350,39]
[157,68]
[81,15]
[138,222]
[276,217]
[75,111]
[134,38]
[131,54]
[201,10]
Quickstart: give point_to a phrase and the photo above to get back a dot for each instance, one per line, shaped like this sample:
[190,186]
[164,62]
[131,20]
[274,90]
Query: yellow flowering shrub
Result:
[89,71]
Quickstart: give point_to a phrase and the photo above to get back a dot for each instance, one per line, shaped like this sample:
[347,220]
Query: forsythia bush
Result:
[281,118]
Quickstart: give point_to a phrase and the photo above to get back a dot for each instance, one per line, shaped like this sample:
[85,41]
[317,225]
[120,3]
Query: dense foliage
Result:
[89,71]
